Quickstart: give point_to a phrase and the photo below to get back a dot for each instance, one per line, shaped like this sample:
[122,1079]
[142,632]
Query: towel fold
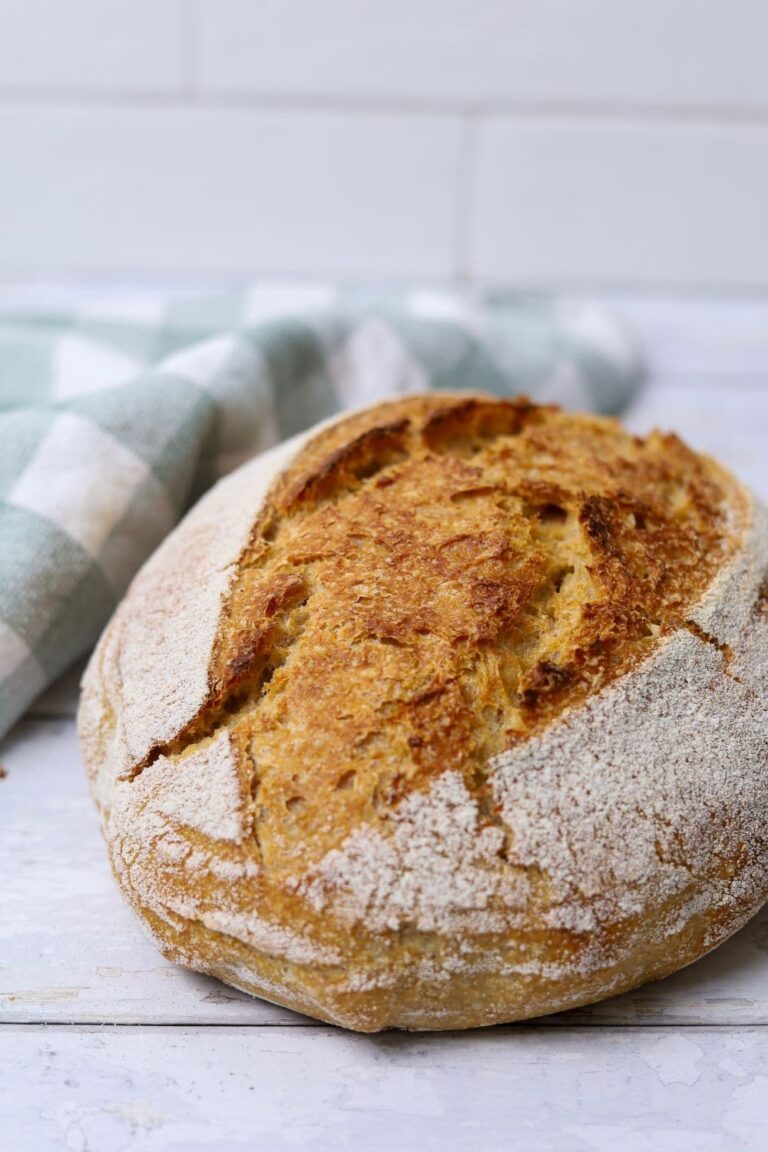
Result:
[117,411]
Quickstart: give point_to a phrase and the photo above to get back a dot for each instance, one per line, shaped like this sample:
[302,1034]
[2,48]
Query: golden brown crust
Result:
[428,586]
[433,580]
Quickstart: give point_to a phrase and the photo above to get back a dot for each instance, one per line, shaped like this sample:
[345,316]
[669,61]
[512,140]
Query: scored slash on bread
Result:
[449,714]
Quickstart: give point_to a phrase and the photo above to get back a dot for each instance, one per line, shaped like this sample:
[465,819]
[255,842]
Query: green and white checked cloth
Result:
[117,411]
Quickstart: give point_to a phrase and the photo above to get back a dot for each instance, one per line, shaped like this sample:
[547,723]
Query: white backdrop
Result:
[604,143]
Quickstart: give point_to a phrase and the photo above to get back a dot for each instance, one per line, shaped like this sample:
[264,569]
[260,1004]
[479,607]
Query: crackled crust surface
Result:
[452,714]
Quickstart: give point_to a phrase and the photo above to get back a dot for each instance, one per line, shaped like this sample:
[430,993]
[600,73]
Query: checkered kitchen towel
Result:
[116,412]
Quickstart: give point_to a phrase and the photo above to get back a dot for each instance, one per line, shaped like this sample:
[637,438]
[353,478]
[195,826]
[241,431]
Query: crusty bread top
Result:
[427,584]
[451,686]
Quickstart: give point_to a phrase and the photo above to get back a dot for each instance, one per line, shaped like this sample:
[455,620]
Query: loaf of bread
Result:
[452,712]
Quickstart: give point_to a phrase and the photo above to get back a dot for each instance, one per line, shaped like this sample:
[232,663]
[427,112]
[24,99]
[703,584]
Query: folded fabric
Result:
[117,411]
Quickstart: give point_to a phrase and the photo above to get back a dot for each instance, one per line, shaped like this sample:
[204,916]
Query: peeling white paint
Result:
[675,1059]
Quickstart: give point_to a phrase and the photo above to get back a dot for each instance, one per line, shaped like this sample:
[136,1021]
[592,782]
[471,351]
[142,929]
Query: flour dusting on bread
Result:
[437,870]
[616,771]
[451,713]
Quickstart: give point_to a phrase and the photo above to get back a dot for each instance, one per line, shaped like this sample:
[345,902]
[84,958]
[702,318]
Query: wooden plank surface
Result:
[144,1089]
[679,1065]
[708,341]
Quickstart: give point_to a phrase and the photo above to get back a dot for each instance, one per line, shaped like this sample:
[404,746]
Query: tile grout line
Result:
[190,95]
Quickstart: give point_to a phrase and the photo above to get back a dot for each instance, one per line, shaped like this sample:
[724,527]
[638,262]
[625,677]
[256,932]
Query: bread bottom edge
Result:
[458,1003]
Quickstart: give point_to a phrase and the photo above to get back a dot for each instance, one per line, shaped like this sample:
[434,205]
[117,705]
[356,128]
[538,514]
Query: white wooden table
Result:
[105,1046]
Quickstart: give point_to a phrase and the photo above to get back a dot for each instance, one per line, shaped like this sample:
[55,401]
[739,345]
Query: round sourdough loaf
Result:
[452,712]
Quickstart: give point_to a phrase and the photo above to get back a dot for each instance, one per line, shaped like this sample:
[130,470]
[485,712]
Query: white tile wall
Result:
[99,45]
[648,53]
[639,202]
[604,142]
[187,189]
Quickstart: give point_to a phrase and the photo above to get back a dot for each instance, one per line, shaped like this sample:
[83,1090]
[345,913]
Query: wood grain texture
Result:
[146,1090]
